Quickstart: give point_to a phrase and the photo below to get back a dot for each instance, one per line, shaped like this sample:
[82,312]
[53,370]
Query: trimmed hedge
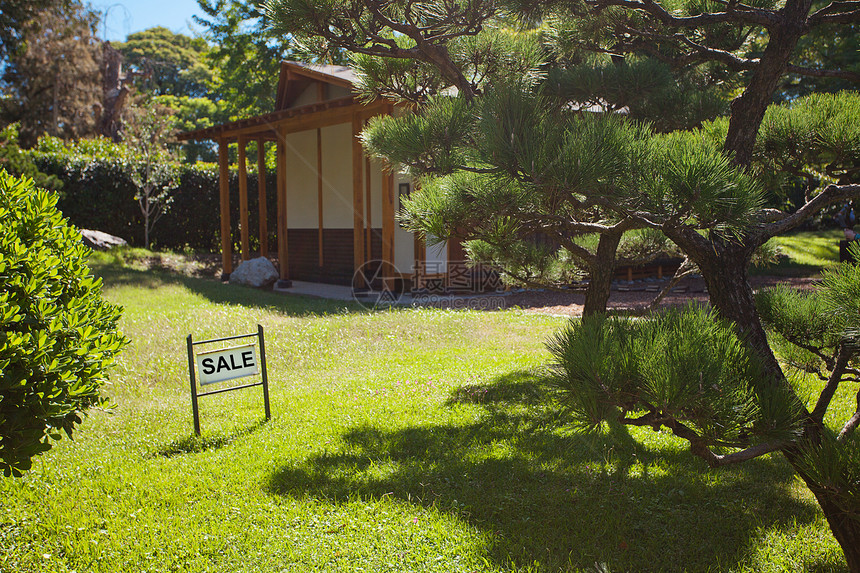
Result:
[98,194]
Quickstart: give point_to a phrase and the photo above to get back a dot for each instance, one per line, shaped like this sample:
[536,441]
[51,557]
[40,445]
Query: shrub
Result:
[57,335]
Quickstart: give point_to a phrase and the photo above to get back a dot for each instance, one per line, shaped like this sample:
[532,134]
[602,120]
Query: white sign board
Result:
[227,363]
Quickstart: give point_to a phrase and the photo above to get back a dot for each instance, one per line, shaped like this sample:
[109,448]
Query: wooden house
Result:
[335,207]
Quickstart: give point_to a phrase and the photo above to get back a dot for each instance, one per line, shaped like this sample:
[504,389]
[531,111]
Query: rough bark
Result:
[724,265]
[748,109]
[844,526]
[602,270]
[844,523]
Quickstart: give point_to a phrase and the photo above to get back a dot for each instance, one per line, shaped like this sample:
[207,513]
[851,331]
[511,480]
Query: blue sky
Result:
[125,17]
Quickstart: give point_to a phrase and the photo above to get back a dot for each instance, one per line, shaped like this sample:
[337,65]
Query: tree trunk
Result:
[748,108]
[845,527]
[724,268]
[115,94]
[844,524]
[601,273]
[724,265]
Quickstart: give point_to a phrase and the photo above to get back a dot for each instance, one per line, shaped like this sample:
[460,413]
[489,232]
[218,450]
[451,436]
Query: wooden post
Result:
[389,196]
[283,250]
[243,198]
[320,196]
[224,187]
[261,188]
[368,223]
[388,224]
[357,201]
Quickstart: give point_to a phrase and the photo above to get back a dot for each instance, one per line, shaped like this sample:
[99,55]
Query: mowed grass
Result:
[404,440]
[806,252]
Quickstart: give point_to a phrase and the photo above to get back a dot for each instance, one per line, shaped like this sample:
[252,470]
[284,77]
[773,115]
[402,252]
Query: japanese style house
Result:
[335,207]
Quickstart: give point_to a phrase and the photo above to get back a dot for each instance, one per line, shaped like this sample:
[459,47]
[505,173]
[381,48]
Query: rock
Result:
[257,273]
[101,241]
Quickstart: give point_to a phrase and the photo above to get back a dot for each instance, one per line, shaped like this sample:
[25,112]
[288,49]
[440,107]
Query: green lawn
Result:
[407,440]
[806,252]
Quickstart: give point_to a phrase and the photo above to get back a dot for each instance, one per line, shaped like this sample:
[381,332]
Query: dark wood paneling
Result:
[338,254]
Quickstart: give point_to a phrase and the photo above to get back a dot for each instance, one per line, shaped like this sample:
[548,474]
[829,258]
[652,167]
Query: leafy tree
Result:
[245,57]
[53,81]
[14,17]
[166,63]
[190,113]
[697,187]
[150,164]
[57,335]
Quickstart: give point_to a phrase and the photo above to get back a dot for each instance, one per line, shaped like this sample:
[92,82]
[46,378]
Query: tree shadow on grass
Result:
[220,293]
[563,500]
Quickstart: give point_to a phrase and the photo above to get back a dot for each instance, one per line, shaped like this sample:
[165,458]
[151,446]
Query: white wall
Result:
[404,241]
[302,196]
[337,176]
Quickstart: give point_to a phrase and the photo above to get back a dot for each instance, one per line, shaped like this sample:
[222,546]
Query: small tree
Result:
[150,164]
[57,335]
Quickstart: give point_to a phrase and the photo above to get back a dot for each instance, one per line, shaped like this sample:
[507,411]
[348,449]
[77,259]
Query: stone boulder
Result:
[99,241]
[257,273]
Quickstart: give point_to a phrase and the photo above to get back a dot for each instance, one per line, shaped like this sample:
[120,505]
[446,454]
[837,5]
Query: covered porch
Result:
[335,207]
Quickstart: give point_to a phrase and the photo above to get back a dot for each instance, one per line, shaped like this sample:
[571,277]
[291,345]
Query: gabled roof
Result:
[293,80]
[295,77]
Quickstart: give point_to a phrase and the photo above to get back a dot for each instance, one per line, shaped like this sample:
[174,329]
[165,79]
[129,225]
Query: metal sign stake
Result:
[244,365]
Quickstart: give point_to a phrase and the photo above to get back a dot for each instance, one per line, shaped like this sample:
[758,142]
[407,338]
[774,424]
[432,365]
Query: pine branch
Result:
[851,424]
[686,269]
[698,445]
[826,396]
[746,15]
[830,195]
[717,460]
[820,73]
[819,19]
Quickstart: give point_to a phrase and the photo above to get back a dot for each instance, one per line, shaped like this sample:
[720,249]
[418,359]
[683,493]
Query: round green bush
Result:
[57,335]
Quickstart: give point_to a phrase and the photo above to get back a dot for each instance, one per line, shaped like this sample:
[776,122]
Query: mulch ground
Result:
[630,298]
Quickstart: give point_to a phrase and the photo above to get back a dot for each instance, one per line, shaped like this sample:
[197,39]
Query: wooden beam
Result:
[224,197]
[357,201]
[420,254]
[283,250]
[320,196]
[243,199]
[261,189]
[311,116]
[322,95]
